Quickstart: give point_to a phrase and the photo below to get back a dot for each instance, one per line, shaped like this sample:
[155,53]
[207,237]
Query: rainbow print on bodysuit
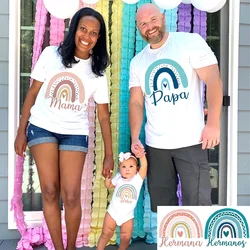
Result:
[126,193]
[181,224]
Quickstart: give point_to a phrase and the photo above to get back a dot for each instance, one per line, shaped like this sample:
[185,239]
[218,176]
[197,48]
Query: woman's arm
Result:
[21,140]
[104,120]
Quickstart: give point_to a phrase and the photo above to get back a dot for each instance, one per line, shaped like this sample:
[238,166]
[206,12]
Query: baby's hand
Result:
[137,148]
[109,175]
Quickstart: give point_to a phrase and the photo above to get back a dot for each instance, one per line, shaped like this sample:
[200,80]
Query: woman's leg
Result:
[126,234]
[108,229]
[46,158]
[71,166]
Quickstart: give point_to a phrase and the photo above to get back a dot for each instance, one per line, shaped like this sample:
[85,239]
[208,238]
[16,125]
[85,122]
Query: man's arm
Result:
[211,77]
[136,110]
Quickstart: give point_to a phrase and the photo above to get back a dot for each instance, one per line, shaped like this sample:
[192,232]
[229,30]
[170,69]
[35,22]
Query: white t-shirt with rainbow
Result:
[61,104]
[173,92]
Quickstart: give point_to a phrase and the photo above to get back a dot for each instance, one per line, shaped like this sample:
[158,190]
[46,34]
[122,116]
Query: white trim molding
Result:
[233,67]
[13,105]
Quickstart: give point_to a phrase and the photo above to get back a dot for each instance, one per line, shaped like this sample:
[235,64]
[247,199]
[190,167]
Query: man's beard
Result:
[156,39]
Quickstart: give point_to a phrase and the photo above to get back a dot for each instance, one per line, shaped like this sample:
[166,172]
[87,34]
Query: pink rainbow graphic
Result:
[181,224]
[127,191]
[66,86]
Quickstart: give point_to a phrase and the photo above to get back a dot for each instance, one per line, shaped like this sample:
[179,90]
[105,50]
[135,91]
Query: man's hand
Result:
[137,148]
[108,166]
[210,136]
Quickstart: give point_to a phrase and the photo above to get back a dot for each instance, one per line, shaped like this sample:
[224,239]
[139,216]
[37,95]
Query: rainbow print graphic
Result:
[164,74]
[226,223]
[181,224]
[127,192]
[67,87]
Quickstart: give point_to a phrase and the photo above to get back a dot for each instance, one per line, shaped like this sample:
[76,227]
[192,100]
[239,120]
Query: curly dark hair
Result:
[100,57]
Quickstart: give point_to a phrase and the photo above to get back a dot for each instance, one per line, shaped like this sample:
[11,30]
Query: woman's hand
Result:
[20,144]
[108,166]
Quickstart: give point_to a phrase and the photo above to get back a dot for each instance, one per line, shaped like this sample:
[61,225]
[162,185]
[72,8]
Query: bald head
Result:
[147,9]
[151,24]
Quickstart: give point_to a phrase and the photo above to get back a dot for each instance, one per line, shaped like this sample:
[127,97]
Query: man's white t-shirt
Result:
[61,104]
[172,90]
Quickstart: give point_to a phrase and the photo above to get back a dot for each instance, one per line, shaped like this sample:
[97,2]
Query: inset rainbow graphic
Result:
[226,223]
[181,223]
[157,73]
[67,87]
[127,191]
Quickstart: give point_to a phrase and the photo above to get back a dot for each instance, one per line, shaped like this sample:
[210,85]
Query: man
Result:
[167,75]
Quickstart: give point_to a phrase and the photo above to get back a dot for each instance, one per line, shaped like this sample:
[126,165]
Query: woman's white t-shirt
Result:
[61,104]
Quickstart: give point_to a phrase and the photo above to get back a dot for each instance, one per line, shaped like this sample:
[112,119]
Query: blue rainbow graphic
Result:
[127,191]
[172,68]
[226,223]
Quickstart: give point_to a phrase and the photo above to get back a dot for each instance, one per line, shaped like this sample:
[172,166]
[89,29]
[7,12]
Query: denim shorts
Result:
[37,135]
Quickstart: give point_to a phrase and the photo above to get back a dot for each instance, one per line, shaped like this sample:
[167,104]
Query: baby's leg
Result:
[108,229]
[126,234]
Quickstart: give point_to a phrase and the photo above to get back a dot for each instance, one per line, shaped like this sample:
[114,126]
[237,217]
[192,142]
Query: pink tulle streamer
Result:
[87,179]
[16,201]
[41,18]
[57,27]
[31,236]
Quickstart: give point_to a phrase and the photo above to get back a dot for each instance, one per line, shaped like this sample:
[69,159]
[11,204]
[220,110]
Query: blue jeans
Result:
[37,135]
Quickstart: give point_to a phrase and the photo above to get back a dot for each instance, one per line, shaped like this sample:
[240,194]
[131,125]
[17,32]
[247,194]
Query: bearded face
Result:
[153,31]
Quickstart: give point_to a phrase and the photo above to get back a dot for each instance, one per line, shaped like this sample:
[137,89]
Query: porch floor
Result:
[137,245]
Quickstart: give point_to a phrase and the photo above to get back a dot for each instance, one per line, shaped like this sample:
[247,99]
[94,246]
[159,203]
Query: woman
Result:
[56,119]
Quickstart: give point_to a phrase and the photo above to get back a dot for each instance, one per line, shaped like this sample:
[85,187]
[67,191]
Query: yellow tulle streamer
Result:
[99,191]
[116,42]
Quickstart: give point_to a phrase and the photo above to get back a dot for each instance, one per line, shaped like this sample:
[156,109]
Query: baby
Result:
[127,182]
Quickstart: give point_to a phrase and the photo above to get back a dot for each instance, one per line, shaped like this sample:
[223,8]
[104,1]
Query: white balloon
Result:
[167,4]
[130,1]
[62,8]
[186,1]
[206,5]
[218,7]
[90,1]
